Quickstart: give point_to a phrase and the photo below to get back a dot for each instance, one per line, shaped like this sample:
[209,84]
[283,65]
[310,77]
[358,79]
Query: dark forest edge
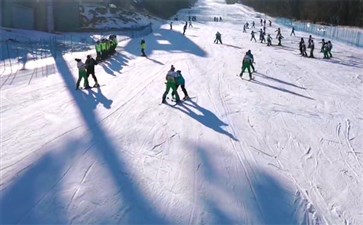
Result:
[329,12]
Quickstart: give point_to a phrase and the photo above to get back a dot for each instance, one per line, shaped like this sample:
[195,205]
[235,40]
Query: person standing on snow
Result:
[171,84]
[312,46]
[330,47]
[82,73]
[218,38]
[143,47]
[269,40]
[252,60]
[185,27]
[246,64]
[253,36]
[90,65]
[279,38]
[180,81]
[171,25]
[293,31]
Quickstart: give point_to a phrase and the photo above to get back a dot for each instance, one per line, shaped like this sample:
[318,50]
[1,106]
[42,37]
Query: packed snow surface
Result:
[285,148]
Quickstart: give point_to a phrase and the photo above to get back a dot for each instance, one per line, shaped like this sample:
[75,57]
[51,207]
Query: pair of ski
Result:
[82,88]
[253,78]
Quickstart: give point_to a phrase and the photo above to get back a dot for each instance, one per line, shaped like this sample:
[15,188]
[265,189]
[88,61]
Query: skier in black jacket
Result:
[90,65]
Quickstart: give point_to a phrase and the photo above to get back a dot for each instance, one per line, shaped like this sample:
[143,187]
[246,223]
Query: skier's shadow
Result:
[206,117]
[96,97]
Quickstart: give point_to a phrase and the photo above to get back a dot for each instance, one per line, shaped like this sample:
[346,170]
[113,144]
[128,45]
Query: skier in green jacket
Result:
[246,64]
[180,81]
[171,84]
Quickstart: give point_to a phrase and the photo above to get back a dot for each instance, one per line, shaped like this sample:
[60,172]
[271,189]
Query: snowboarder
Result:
[246,64]
[253,36]
[218,38]
[180,81]
[293,31]
[82,73]
[143,47]
[90,65]
[171,84]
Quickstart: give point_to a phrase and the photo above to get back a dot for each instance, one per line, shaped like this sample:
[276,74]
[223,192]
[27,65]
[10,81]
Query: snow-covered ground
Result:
[283,149]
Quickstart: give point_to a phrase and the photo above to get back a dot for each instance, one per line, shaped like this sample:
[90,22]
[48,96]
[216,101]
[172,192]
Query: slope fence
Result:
[15,52]
[352,36]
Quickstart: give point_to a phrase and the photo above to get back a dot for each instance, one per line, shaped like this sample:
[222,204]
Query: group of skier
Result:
[174,79]
[325,48]
[106,47]
[84,70]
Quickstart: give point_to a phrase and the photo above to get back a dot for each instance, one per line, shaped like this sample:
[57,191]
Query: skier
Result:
[218,38]
[98,51]
[312,46]
[322,45]
[253,24]
[185,27]
[309,41]
[246,64]
[171,84]
[190,24]
[82,73]
[302,47]
[278,32]
[253,36]
[280,37]
[293,31]
[261,21]
[252,60]
[270,23]
[269,40]
[143,47]
[330,46]
[244,28]
[171,25]
[262,36]
[90,65]
[180,81]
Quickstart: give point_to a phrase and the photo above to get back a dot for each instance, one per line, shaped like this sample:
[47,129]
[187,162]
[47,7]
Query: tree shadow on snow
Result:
[141,210]
[263,197]
[206,117]
[46,174]
[26,199]
[165,40]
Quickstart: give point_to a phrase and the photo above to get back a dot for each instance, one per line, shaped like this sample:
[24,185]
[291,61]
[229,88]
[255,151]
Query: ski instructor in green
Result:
[171,84]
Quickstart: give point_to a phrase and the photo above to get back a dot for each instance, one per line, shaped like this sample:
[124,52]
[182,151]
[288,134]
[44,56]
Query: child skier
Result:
[171,84]
[253,36]
[269,40]
[82,73]
[246,64]
[180,81]
[218,38]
